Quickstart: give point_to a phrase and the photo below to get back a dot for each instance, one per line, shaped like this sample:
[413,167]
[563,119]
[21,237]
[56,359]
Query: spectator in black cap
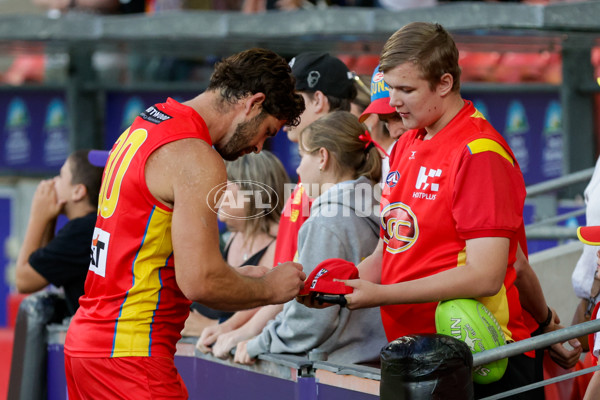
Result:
[326,85]
[62,259]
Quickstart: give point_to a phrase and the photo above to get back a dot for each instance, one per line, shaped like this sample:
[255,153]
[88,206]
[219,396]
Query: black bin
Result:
[426,367]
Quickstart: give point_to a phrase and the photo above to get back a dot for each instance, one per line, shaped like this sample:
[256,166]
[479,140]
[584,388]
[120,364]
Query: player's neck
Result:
[216,114]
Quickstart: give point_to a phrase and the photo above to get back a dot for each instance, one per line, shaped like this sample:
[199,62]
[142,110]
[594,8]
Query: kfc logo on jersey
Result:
[392,178]
[98,252]
[426,181]
[400,227]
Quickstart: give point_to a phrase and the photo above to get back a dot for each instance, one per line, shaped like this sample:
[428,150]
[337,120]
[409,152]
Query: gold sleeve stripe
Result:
[481,145]
[477,114]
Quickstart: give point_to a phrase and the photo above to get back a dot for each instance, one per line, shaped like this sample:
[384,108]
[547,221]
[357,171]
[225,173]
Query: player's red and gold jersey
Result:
[462,184]
[132,305]
[295,211]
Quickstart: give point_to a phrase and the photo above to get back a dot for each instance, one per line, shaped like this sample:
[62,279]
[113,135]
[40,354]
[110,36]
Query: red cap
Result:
[589,235]
[321,279]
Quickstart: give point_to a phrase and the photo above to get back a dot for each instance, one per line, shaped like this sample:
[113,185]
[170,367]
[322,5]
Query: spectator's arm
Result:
[40,229]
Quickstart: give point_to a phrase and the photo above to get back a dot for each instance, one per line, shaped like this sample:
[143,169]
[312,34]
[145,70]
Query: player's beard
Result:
[245,132]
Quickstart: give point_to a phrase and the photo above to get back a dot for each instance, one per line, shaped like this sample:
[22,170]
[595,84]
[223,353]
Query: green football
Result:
[470,321]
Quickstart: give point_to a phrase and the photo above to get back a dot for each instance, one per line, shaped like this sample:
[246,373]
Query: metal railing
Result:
[547,228]
[559,183]
[534,343]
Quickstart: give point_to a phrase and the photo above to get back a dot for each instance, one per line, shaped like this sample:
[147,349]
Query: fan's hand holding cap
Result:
[98,157]
[589,235]
[380,97]
[321,279]
[320,71]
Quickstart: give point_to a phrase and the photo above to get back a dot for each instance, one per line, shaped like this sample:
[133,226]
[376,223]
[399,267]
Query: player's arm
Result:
[186,174]
[481,276]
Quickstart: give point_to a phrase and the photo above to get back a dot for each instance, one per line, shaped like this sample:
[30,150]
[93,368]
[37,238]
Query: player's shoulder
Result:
[189,152]
[188,161]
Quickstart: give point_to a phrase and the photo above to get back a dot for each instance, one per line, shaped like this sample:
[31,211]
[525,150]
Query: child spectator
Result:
[62,260]
[340,165]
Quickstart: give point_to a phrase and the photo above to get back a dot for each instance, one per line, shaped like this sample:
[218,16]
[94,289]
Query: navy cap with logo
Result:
[320,71]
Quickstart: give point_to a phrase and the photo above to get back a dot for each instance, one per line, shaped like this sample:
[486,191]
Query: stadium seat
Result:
[25,68]
[596,61]
[347,59]
[553,71]
[6,345]
[365,64]
[522,67]
[478,66]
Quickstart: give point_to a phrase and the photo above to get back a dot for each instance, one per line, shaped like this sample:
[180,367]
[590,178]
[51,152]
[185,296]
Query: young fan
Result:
[340,164]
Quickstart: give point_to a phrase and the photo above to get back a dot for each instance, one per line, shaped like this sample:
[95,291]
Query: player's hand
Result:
[241,354]
[45,205]
[284,282]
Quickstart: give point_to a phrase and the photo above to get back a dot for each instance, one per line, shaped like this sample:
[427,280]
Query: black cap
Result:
[320,71]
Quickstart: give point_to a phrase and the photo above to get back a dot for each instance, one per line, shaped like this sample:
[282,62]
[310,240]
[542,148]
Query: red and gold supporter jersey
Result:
[462,184]
[132,305]
[295,211]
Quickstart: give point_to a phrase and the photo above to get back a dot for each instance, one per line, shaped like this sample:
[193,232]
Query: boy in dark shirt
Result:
[62,259]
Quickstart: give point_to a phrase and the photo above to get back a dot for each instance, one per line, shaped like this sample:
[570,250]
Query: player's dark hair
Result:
[428,46]
[87,174]
[259,71]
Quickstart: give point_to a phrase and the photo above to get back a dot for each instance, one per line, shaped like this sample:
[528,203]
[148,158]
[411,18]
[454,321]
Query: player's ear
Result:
[253,102]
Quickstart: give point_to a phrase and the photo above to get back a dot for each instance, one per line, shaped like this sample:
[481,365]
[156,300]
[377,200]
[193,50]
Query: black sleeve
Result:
[67,257]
